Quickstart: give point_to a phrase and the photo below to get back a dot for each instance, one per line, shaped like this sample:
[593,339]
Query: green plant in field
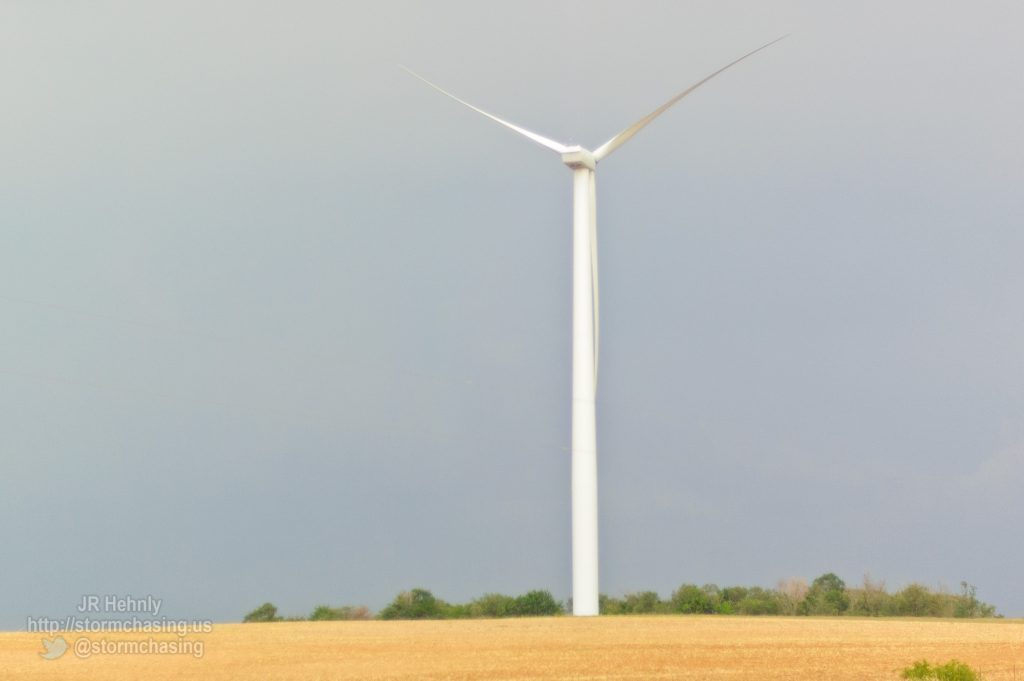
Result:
[951,671]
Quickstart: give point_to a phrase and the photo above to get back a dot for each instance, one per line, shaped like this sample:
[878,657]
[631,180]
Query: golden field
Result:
[691,647]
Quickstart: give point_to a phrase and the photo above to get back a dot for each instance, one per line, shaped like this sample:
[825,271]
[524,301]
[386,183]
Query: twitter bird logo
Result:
[54,648]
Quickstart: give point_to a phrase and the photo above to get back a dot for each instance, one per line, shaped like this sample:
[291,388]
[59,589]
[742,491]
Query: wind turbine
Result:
[585,336]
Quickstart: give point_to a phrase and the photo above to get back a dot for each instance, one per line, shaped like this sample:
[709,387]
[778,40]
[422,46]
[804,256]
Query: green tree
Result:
[644,602]
[536,603]
[454,611]
[265,613]
[691,599]
[714,595]
[791,593]
[827,596]
[758,601]
[492,605]
[968,605]
[916,600]
[871,599]
[609,605]
[734,594]
[417,604]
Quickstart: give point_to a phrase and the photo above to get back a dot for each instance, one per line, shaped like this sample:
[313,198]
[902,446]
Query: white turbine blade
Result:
[593,274]
[539,139]
[620,139]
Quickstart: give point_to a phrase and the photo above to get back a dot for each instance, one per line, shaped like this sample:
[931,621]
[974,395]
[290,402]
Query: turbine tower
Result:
[585,332]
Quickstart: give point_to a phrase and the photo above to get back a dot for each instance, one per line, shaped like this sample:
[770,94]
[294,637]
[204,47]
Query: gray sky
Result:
[282,323]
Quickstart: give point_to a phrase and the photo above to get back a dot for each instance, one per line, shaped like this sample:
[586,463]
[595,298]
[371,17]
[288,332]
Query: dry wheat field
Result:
[543,649]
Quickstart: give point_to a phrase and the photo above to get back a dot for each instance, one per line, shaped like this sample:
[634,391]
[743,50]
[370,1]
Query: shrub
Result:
[951,671]
[345,612]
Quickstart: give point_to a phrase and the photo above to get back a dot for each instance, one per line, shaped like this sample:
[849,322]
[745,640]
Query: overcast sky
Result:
[282,323]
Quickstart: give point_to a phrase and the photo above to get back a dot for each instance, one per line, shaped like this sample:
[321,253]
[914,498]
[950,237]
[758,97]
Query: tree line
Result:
[826,595]
[421,604]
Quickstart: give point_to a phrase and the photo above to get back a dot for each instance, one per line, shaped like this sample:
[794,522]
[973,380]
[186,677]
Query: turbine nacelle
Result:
[577,157]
